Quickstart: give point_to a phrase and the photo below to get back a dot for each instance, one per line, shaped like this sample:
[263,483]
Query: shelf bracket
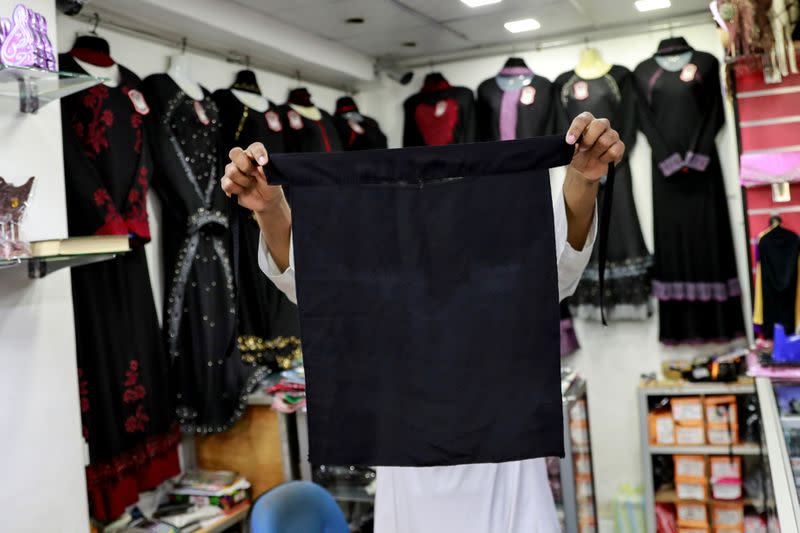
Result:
[28,95]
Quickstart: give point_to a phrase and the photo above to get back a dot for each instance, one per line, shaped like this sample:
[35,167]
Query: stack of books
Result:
[221,489]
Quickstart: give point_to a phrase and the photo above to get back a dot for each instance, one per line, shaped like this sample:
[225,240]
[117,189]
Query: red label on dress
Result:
[528,95]
[295,120]
[356,127]
[580,90]
[273,121]
[688,72]
[437,130]
[201,113]
[138,101]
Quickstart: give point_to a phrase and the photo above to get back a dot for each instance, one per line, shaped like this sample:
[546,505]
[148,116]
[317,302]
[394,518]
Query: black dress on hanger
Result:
[357,131]
[212,383]
[125,395]
[776,296]
[269,329]
[694,274]
[439,114]
[302,134]
[517,104]
[613,96]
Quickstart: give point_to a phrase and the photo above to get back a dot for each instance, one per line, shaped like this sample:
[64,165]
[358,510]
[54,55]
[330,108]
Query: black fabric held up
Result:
[410,303]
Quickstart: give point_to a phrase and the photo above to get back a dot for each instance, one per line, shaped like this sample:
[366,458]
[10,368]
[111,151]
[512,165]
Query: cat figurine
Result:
[13,202]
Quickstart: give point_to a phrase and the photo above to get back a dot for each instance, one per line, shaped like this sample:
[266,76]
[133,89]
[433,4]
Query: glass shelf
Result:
[35,87]
[39,267]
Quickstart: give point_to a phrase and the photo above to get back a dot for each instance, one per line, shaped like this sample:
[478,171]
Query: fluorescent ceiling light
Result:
[517,26]
[479,3]
[651,5]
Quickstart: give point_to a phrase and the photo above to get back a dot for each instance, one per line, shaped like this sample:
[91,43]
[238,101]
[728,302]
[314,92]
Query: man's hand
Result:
[245,177]
[596,145]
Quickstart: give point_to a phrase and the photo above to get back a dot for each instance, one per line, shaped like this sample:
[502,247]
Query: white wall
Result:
[41,450]
[612,358]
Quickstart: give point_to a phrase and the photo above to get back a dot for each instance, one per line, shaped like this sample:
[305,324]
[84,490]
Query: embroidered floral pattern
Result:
[137,206]
[136,124]
[134,392]
[93,135]
[113,224]
[83,390]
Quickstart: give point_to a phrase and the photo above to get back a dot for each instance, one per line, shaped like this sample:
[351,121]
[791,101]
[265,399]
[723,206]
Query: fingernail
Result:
[262,160]
[571,138]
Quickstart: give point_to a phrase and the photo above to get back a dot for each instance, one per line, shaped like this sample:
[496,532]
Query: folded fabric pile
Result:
[289,394]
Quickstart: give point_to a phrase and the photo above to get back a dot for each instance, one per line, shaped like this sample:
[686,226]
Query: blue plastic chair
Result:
[297,507]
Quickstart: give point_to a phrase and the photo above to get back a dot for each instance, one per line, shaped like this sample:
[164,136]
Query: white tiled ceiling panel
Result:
[443,26]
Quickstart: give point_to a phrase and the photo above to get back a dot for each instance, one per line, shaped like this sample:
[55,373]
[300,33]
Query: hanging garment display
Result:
[439,114]
[211,381]
[306,127]
[612,96]
[427,275]
[517,104]
[357,132]
[777,293]
[269,329]
[125,396]
[694,275]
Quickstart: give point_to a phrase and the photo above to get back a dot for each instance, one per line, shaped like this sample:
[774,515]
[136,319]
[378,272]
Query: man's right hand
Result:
[245,177]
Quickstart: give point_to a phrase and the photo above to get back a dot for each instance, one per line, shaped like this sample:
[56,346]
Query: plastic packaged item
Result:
[583,464]
[662,428]
[687,410]
[721,410]
[692,514]
[689,435]
[629,510]
[722,467]
[690,467]
[579,432]
[666,520]
[723,434]
[728,517]
[14,201]
[691,489]
[577,413]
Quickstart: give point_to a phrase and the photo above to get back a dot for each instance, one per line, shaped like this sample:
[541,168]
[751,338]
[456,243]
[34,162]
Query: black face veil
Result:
[427,283]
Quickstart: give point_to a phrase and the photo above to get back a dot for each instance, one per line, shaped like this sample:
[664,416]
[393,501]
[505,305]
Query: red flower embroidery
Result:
[136,124]
[83,390]
[93,135]
[101,197]
[133,393]
[137,208]
[137,422]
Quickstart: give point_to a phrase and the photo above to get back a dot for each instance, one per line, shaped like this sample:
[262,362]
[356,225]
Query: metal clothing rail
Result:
[577,36]
[182,44]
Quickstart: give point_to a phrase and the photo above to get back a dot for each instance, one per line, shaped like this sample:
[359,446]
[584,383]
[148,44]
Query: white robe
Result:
[512,497]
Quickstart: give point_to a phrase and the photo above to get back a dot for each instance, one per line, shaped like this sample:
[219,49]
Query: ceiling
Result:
[446,26]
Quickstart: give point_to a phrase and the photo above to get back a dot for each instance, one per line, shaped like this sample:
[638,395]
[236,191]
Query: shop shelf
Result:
[670,496]
[687,388]
[36,87]
[39,267]
[344,493]
[737,449]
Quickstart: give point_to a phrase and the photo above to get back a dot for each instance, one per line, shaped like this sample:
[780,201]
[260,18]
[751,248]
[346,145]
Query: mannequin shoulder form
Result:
[111,73]
[252,100]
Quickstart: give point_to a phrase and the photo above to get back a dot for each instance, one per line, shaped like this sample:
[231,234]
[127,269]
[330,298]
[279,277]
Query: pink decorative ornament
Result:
[19,47]
[48,44]
[5,28]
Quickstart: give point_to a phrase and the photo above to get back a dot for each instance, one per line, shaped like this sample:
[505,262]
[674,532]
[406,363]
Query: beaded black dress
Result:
[269,328]
[123,370]
[694,275]
[627,287]
[209,377]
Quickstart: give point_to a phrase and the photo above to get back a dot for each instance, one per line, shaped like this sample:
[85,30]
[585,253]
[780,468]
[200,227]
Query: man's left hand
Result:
[596,145]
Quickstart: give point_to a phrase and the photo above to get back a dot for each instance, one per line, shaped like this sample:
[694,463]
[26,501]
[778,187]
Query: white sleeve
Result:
[571,263]
[284,281]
